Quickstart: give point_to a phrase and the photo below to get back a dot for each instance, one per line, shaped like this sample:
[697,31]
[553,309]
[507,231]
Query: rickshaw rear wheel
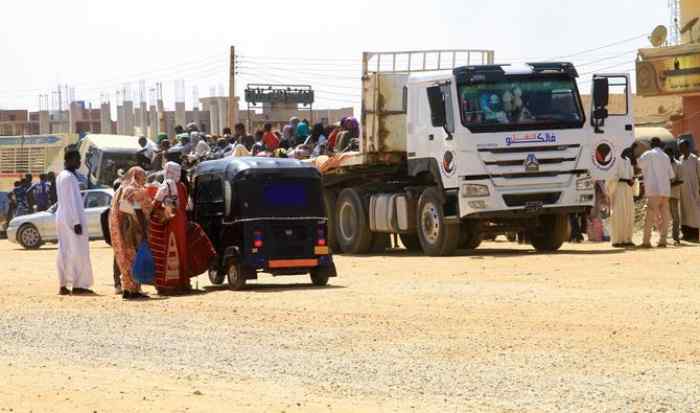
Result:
[319,276]
[216,276]
[236,278]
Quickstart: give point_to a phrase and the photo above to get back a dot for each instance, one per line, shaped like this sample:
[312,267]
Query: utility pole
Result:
[232,90]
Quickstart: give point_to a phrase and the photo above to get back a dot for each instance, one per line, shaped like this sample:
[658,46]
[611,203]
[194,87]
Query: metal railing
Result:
[424,60]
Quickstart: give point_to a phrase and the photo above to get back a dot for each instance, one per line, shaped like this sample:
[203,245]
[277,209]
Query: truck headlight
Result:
[584,184]
[475,191]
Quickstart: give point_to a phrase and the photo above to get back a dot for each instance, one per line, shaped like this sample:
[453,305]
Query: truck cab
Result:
[487,149]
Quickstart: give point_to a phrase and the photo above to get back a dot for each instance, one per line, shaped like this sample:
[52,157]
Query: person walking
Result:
[658,173]
[620,188]
[690,192]
[73,260]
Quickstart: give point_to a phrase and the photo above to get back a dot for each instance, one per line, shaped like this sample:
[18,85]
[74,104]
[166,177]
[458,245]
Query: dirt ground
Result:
[503,330]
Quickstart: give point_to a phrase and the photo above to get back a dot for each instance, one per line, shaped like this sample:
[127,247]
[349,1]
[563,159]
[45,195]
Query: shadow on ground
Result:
[272,288]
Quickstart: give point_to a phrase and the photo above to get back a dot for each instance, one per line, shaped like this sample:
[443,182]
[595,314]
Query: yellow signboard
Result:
[669,71]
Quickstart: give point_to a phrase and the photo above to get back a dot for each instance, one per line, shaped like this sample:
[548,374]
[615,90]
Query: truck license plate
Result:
[533,206]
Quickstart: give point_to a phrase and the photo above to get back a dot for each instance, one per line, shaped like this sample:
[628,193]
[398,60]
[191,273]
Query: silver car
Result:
[32,230]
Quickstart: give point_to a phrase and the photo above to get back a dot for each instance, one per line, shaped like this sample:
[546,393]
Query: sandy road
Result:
[587,329]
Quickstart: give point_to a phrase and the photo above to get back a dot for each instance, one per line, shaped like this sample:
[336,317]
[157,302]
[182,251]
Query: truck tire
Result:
[437,237]
[410,242]
[380,243]
[352,223]
[329,203]
[551,233]
[469,236]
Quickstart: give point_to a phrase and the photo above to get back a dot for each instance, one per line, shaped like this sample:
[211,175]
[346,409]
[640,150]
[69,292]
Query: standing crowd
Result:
[28,196]
[671,186]
[151,216]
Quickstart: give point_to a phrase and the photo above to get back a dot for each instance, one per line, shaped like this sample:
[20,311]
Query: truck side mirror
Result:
[438,115]
[601,95]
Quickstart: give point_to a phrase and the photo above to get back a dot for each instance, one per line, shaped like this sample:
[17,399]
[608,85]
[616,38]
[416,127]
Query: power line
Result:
[607,68]
[318,74]
[298,59]
[601,47]
[607,58]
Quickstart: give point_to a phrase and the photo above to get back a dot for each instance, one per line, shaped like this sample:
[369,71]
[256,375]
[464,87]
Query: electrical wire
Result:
[631,39]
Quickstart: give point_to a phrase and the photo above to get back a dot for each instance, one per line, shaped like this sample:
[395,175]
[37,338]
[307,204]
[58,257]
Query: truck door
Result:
[440,144]
[613,131]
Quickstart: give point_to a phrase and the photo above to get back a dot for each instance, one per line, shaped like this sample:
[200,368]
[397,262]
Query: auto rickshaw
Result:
[263,215]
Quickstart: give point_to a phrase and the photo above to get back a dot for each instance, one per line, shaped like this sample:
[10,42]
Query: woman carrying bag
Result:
[131,208]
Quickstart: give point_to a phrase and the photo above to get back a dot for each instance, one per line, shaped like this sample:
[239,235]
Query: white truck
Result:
[450,154]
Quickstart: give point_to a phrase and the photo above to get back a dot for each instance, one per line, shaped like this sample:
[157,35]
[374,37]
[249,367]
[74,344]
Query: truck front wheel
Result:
[437,237]
[550,235]
[352,223]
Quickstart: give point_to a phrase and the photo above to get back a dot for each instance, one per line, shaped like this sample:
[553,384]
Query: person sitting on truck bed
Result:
[242,137]
[347,136]
[269,139]
[316,142]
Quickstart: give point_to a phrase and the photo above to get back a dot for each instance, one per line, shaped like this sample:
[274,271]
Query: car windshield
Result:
[517,103]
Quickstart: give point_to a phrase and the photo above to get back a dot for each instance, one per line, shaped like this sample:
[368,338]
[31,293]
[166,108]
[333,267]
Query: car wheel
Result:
[236,278]
[29,237]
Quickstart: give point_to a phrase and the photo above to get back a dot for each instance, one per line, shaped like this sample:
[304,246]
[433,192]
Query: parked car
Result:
[33,230]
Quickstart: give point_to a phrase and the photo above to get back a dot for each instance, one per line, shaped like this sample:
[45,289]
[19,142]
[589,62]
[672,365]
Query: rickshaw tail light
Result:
[321,240]
[257,239]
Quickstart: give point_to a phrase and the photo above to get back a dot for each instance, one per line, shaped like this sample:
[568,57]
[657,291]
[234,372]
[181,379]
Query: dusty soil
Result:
[506,329]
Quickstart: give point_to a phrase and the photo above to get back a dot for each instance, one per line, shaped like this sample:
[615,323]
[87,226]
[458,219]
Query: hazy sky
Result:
[99,46]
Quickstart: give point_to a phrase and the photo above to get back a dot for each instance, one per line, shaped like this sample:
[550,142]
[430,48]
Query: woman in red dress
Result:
[168,233]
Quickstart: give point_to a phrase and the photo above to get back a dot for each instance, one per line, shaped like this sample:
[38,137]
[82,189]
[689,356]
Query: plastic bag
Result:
[144,269]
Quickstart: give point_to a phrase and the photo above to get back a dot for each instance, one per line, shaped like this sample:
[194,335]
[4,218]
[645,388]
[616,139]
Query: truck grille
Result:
[521,200]
[520,165]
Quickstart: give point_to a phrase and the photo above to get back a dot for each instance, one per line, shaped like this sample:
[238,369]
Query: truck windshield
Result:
[521,103]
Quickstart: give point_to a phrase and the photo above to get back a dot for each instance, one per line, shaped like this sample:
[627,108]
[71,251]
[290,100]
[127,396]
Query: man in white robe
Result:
[658,174]
[690,192]
[620,189]
[73,261]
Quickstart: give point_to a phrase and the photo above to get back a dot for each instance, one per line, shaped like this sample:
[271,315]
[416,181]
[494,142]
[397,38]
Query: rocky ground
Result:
[504,329]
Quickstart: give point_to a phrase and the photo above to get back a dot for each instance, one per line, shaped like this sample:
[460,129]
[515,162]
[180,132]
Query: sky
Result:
[100,47]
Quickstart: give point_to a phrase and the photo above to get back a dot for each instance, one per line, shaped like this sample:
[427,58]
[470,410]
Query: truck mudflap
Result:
[529,211]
